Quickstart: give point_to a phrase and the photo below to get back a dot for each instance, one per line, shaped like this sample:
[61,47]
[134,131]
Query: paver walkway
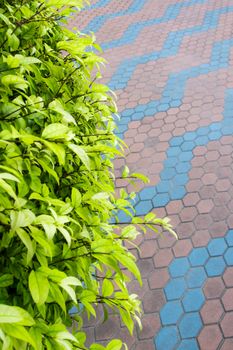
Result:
[171,66]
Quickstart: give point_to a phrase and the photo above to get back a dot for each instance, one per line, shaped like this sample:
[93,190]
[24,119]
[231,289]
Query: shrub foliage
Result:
[60,243]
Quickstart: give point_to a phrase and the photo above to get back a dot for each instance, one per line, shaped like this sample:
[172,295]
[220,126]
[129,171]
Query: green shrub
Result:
[58,206]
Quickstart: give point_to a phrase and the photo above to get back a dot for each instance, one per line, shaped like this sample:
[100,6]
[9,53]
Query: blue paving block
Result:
[167,338]
[190,325]
[183,167]
[190,136]
[176,141]
[228,256]
[188,146]
[215,266]
[160,200]
[193,300]
[179,267]
[185,156]
[147,193]
[229,238]
[143,207]
[188,344]
[198,256]
[196,277]
[171,313]
[175,288]
[178,192]
[217,246]
[181,179]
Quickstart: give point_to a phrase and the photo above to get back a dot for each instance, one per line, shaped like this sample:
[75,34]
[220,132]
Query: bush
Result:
[60,242]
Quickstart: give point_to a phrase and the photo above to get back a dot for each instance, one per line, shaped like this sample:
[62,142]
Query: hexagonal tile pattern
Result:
[172,69]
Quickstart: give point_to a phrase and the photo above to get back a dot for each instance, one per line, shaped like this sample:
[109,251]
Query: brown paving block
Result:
[213,288]
[182,247]
[227,299]
[147,344]
[226,324]
[201,238]
[228,277]
[191,199]
[163,258]
[150,325]
[188,214]
[185,230]
[212,311]
[210,337]
[158,278]
[205,206]
[218,229]
[153,301]
[148,249]
[227,344]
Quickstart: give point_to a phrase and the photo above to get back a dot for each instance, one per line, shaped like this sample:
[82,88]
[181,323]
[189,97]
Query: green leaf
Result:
[76,197]
[8,176]
[25,238]
[18,332]
[57,107]
[58,150]
[38,286]
[70,281]
[57,296]
[6,280]
[15,80]
[115,344]
[107,288]
[15,314]
[80,152]
[7,188]
[97,347]
[128,262]
[21,218]
[55,131]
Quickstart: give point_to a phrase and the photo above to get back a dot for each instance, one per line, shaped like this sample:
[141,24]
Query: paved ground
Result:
[171,65]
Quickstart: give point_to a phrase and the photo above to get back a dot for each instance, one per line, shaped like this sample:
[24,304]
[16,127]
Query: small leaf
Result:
[115,344]
[80,152]
[18,332]
[14,314]
[107,288]
[25,238]
[6,280]
[55,131]
[76,197]
[38,286]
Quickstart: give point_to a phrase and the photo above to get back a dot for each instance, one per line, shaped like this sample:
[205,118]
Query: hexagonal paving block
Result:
[228,256]
[171,313]
[228,277]
[190,325]
[193,300]
[179,267]
[217,246]
[196,277]
[211,311]
[213,288]
[229,238]
[215,266]
[198,256]
[167,338]
[227,323]
[188,344]
[210,337]
[227,299]
[175,288]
